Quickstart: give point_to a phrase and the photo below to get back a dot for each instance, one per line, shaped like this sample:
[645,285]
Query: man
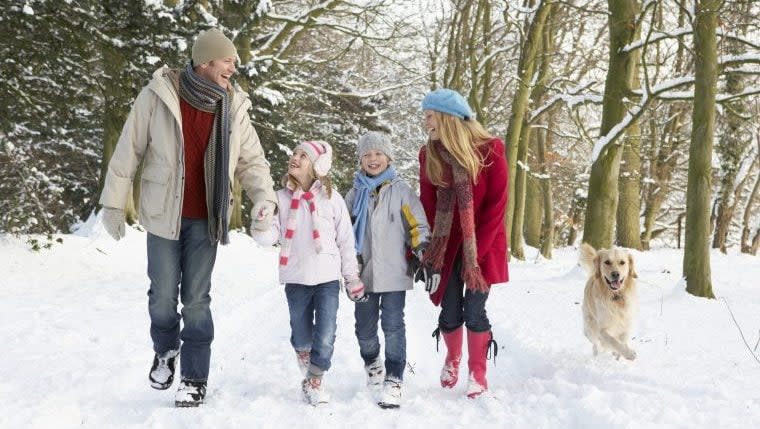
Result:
[192,131]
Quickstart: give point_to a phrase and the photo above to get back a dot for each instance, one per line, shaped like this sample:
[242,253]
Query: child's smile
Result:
[374,162]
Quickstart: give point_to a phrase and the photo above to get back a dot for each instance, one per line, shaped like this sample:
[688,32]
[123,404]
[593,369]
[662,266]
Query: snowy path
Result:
[76,349]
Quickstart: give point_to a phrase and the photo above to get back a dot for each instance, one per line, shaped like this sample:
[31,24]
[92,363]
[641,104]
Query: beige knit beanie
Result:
[212,44]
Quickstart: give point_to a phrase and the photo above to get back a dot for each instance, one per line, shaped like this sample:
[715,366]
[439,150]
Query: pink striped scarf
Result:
[290,226]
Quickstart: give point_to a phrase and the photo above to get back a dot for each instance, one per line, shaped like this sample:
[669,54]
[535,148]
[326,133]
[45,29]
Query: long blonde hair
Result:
[291,182]
[462,139]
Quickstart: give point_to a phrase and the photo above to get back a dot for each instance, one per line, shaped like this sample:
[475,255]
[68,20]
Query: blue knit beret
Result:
[447,101]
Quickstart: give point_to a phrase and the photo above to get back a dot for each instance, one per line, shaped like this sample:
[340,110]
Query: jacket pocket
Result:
[326,224]
[154,189]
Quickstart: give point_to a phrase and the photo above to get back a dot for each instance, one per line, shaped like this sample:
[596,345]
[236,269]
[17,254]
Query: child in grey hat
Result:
[389,222]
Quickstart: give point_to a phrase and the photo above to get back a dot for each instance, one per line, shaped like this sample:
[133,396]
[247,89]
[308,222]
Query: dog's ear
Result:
[597,266]
[632,267]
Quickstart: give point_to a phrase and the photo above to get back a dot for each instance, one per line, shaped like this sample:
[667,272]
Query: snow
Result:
[28,10]
[76,349]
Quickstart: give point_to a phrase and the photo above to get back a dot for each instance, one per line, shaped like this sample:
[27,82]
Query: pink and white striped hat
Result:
[320,155]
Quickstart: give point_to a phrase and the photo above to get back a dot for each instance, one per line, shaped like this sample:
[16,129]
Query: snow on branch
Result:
[654,94]
[298,86]
[572,98]
[656,36]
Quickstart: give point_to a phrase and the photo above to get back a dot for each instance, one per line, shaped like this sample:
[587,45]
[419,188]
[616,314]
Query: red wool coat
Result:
[489,205]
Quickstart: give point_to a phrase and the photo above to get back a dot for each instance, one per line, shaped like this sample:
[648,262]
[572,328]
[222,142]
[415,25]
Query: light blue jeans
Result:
[389,308]
[313,321]
[182,269]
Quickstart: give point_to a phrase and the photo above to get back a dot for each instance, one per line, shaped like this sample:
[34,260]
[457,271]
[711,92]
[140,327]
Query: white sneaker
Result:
[190,393]
[161,373]
[375,373]
[303,357]
[391,397]
[313,391]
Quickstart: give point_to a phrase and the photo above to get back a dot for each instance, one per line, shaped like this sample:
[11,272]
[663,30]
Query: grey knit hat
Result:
[211,45]
[374,140]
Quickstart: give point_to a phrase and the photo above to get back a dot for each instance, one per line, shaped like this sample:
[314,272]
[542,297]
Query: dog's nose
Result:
[615,275]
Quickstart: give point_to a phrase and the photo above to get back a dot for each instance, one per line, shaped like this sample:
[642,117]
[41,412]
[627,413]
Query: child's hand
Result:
[432,278]
[355,290]
[261,215]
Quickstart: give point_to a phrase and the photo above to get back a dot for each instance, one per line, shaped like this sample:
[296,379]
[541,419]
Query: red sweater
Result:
[196,130]
[489,206]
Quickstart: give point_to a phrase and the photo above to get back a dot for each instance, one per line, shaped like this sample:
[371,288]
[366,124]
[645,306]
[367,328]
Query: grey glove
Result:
[113,222]
[261,215]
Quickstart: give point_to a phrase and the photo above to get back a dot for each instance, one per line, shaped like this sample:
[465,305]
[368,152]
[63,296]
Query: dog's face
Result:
[614,267]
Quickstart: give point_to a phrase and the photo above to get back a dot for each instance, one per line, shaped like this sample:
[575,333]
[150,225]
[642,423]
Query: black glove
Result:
[431,277]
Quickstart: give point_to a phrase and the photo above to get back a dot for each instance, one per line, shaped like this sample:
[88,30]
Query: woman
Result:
[463,187]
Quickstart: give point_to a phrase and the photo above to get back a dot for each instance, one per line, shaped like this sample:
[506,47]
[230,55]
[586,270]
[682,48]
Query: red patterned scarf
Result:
[458,190]
[290,226]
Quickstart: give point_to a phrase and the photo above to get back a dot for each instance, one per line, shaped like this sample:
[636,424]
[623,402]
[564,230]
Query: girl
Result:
[317,249]
[388,219]
[463,188]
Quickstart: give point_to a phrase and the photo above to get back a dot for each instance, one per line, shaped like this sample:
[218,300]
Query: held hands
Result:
[113,222]
[261,216]
[355,290]
[431,277]
[425,273]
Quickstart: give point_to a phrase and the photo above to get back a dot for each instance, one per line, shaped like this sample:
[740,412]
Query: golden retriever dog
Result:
[609,300]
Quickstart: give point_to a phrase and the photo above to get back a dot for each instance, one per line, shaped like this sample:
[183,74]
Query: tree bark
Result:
[628,230]
[696,262]
[745,245]
[526,68]
[547,223]
[731,149]
[603,182]
[516,237]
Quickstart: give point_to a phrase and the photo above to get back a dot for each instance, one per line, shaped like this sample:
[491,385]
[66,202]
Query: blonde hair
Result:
[462,139]
[291,182]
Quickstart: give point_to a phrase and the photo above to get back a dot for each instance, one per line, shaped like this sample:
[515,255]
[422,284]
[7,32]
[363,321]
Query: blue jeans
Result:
[389,308]
[456,309]
[313,321]
[182,268]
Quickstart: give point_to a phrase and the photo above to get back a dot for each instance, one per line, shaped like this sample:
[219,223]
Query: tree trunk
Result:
[516,237]
[533,201]
[526,68]
[731,149]
[603,182]
[663,162]
[696,261]
[628,230]
[745,245]
[547,224]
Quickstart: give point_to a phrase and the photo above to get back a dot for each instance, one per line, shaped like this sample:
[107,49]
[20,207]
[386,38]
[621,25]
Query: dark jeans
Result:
[313,321]
[182,269]
[457,309]
[389,308]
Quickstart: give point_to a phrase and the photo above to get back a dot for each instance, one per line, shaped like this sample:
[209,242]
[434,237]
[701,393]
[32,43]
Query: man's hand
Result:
[113,222]
[261,215]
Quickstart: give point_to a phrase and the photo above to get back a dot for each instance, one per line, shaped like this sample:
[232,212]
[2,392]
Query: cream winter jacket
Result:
[306,266]
[153,134]
[397,222]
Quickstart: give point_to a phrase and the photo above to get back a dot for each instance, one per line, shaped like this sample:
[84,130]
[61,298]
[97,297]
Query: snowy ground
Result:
[76,349]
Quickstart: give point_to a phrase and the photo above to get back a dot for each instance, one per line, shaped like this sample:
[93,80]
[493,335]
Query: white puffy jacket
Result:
[153,134]
[306,266]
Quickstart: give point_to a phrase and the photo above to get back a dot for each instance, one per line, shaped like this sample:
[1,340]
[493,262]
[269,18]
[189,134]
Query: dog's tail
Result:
[586,258]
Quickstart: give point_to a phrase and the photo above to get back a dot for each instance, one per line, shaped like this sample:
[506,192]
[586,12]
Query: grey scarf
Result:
[209,97]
